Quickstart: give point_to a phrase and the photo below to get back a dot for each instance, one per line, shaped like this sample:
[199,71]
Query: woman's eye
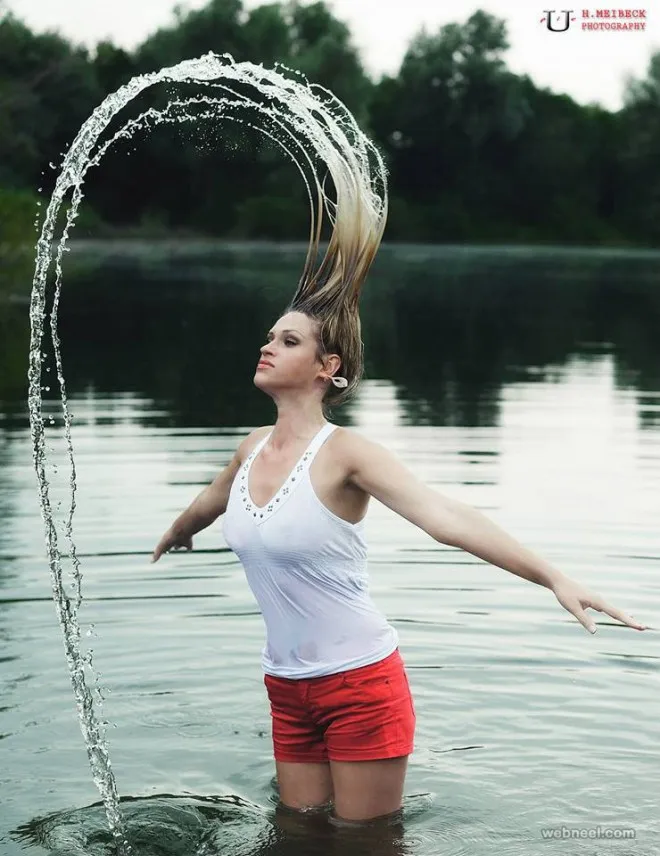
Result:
[269,339]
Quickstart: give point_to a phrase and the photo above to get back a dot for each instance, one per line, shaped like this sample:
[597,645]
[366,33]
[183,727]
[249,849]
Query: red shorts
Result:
[361,714]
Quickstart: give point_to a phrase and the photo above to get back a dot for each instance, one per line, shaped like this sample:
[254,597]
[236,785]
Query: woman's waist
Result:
[317,656]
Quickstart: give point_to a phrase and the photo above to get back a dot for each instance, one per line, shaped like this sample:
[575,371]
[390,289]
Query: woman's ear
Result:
[332,364]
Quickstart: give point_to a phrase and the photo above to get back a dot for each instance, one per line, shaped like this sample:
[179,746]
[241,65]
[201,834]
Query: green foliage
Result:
[268,34]
[322,49]
[450,121]
[215,27]
[47,89]
[17,239]
[112,67]
[475,152]
[639,183]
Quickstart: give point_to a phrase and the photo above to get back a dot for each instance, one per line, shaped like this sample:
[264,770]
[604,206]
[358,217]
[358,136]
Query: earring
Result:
[340,382]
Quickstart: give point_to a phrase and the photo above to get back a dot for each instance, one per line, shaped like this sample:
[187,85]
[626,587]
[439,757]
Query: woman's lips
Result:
[264,365]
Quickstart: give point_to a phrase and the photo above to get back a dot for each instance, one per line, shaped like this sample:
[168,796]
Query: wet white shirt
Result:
[307,568]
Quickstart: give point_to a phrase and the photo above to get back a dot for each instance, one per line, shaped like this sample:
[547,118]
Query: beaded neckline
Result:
[261,511]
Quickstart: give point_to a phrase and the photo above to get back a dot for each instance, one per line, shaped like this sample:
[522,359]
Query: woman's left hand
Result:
[576,599]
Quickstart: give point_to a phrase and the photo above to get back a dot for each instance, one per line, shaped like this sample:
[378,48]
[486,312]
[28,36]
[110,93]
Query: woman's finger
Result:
[621,616]
[158,552]
[574,606]
[588,623]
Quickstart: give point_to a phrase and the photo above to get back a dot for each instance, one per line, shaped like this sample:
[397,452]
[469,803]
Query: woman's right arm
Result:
[208,505]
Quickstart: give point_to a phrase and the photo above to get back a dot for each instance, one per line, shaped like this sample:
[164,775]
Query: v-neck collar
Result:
[260,512]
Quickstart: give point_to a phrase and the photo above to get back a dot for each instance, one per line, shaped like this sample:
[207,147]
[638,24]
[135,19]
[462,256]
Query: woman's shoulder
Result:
[251,440]
[347,444]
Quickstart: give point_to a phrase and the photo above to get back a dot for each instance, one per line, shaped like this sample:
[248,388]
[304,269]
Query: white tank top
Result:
[307,568]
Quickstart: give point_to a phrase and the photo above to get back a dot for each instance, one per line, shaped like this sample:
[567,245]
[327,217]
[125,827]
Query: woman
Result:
[296,494]
[294,497]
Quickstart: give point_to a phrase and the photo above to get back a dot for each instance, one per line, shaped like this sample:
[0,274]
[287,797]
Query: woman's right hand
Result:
[171,541]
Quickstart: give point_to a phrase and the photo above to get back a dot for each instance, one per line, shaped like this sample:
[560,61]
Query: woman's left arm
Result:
[377,471]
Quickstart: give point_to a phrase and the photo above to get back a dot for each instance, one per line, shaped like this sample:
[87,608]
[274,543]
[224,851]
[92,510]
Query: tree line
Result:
[474,151]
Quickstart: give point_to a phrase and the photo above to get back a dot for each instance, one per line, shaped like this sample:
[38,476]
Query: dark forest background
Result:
[475,152]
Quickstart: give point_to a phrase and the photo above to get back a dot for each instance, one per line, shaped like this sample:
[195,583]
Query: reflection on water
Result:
[162,825]
[450,328]
[167,825]
[523,382]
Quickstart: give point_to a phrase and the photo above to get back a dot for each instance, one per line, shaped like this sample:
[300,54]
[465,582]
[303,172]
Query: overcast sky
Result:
[590,66]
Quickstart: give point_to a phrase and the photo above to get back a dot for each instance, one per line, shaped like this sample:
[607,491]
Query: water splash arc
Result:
[309,124]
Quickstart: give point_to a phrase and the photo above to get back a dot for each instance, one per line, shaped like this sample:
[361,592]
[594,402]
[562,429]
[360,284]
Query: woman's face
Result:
[290,348]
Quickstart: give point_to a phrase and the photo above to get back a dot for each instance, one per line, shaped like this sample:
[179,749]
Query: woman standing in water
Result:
[294,496]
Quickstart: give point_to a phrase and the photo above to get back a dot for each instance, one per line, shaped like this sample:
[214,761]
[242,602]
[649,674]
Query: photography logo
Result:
[560,22]
[596,20]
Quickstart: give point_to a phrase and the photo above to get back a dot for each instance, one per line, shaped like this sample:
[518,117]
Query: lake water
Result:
[525,382]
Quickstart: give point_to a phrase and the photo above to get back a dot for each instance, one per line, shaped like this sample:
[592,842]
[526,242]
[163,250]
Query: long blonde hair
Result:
[329,293]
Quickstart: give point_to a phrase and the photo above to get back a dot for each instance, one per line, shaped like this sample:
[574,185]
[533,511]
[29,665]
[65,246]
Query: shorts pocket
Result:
[368,684]
[410,695]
